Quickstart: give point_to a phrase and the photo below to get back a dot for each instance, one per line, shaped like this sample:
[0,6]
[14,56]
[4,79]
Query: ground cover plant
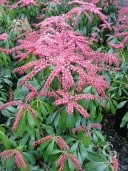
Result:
[60,74]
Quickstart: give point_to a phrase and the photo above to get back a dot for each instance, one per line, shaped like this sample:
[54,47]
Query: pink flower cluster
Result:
[59,141]
[58,47]
[86,8]
[2,2]
[62,159]
[109,2]
[71,101]
[24,3]
[121,30]
[115,164]
[7,154]
[54,2]
[65,53]
[60,162]
[86,129]
[32,94]
[3,36]
[22,108]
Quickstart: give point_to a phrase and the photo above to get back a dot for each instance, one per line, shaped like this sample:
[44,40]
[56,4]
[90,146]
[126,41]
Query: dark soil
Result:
[120,144]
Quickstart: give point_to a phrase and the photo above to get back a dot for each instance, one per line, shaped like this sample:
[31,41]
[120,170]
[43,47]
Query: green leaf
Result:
[51,118]
[43,110]
[22,127]
[48,107]
[94,137]
[48,129]
[5,112]
[5,140]
[107,78]
[124,120]
[99,135]
[55,151]
[50,147]
[2,129]
[70,121]
[113,108]
[99,117]
[108,107]
[29,157]
[92,110]
[66,167]
[10,163]
[70,165]
[12,109]
[75,146]
[79,157]
[30,119]
[44,145]
[8,82]
[95,157]
[83,152]
[86,141]
[120,105]
[119,92]
[95,166]
[56,120]
[24,139]
[62,120]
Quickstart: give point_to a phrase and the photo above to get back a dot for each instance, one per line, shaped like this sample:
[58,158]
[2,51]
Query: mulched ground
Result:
[120,144]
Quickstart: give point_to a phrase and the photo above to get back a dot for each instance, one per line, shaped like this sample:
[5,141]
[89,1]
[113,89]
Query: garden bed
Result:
[118,142]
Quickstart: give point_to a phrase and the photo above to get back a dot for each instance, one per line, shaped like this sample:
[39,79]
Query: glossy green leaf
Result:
[95,166]
[44,145]
[70,165]
[5,140]
[50,147]
[99,135]
[95,157]
[22,127]
[74,146]
[85,141]
[48,129]
[62,120]
[121,104]
[30,157]
[124,120]
[70,121]
[30,120]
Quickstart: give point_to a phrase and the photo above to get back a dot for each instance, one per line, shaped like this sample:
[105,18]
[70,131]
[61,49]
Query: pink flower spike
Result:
[75,161]
[96,126]
[17,155]
[115,164]
[19,160]
[3,36]
[61,160]
[11,103]
[18,117]
[61,143]
[79,128]
[47,138]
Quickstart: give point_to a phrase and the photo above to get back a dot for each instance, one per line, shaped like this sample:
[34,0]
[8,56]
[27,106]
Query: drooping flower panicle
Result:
[86,8]
[59,141]
[115,164]
[121,29]
[17,155]
[58,47]
[3,36]
[22,108]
